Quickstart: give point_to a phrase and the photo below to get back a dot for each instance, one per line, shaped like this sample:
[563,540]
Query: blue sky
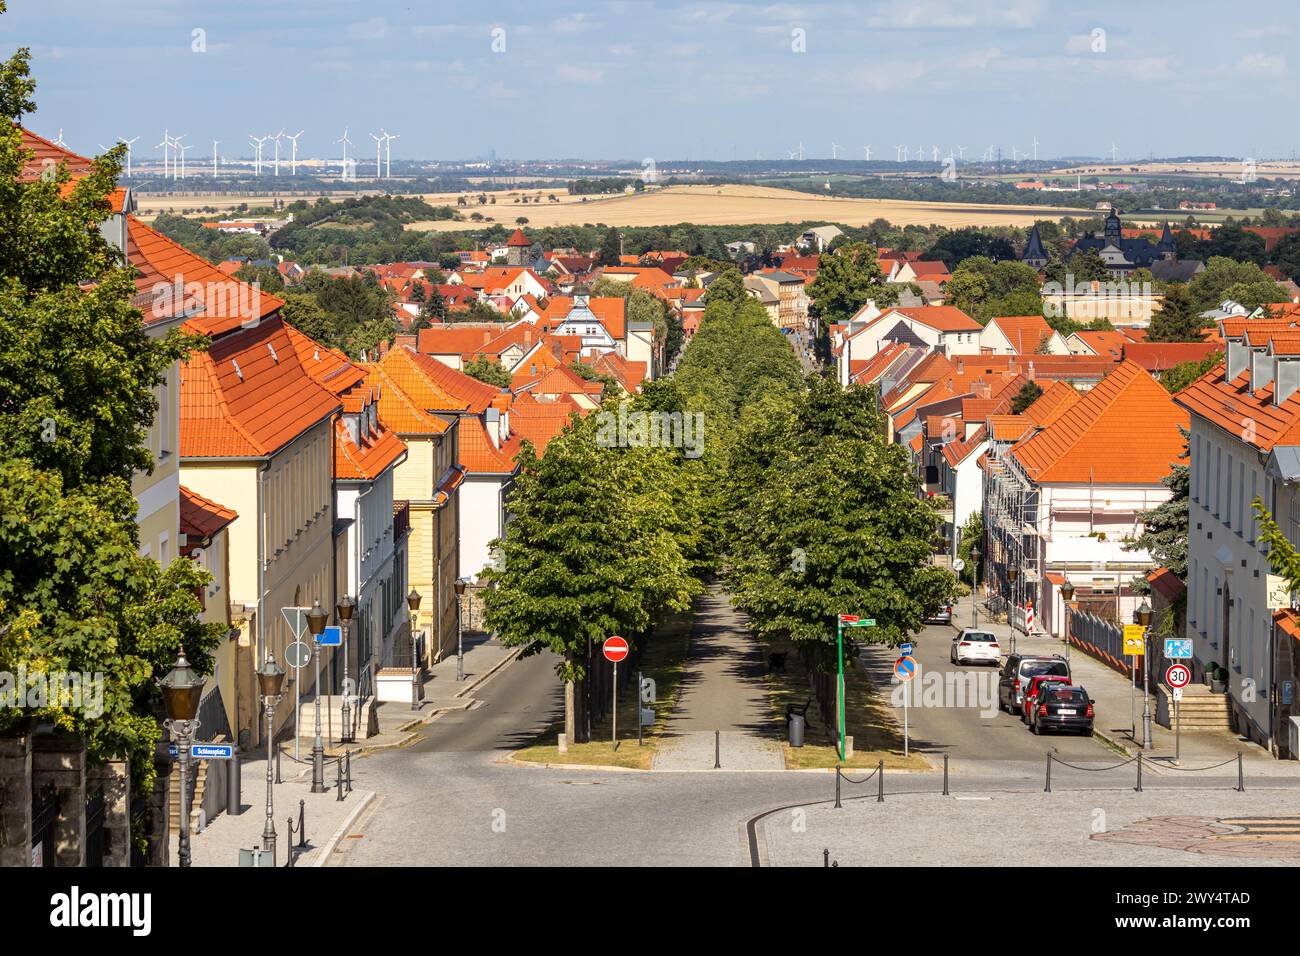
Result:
[668,79]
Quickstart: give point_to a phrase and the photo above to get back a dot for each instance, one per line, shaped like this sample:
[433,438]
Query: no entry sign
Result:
[1178,675]
[615,648]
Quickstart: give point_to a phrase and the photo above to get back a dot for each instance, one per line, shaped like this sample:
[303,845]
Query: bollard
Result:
[288,846]
[302,823]
[1048,788]
[338,779]
[837,788]
[826,857]
[1139,786]
[945,775]
[1241,776]
[234,797]
[277,766]
[880,790]
[348,773]
[717,750]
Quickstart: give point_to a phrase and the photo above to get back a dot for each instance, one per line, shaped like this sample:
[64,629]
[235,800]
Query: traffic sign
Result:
[212,751]
[297,655]
[1178,693]
[848,619]
[1178,676]
[331,637]
[1134,641]
[905,650]
[615,648]
[959,565]
[1178,648]
[297,618]
[904,669]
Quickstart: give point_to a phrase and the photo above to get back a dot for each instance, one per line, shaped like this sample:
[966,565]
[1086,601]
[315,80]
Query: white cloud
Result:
[588,76]
[1262,64]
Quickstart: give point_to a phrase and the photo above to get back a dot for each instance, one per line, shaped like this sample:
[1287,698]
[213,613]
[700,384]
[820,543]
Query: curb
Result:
[328,847]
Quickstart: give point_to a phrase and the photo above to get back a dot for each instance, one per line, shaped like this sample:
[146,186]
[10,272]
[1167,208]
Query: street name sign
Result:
[212,751]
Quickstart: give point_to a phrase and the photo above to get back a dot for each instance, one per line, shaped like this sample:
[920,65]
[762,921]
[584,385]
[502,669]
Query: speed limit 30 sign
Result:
[1178,675]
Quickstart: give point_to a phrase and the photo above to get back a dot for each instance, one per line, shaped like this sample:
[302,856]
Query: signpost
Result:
[1134,646]
[208,751]
[615,649]
[905,670]
[1177,677]
[297,655]
[331,637]
[841,622]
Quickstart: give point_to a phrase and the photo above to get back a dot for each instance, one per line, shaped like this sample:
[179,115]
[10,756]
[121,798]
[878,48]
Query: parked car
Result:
[1033,691]
[1017,672]
[941,616]
[1063,707]
[972,646]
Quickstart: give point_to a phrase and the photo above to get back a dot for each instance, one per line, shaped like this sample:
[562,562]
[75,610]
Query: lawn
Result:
[868,718]
[663,661]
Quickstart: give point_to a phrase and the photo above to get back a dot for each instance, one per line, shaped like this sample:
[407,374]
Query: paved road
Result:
[999,740]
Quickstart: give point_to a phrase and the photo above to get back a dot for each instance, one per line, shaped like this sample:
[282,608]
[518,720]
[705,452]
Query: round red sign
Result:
[615,648]
[1178,675]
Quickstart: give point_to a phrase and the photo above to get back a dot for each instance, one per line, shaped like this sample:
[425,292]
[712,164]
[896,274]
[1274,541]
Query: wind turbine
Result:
[181,149]
[379,142]
[1035,144]
[799,150]
[988,155]
[1015,154]
[58,140]
[166,146]
[346,143]
[388,152]
[1114,152]
[961,153]
[214,157]
[293,156]
[835,150]
[257,141]
[934,155]
[901,153]
[277,137]
[866,151]
[129,143]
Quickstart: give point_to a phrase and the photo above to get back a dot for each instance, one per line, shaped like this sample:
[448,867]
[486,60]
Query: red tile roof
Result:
[1159,356]
[1230,406]
[478,456]
[377,451]
[942,318]
[1125,430]
[201,518]
[1026,333]
[435,386]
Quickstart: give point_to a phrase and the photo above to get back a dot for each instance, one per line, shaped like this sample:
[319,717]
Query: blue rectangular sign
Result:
[212,751]
[905,650]
[1178,648]
[331,637]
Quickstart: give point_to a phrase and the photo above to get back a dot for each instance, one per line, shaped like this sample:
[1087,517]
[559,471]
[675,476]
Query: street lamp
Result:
[182,689]
[975,555]
[1013,573]
[413,604]
[460,647]
[1143,615]
[344,609]
[316,619]
[270,679]
[1067,592]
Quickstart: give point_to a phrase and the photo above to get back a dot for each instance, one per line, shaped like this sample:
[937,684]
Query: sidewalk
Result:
[1119,707]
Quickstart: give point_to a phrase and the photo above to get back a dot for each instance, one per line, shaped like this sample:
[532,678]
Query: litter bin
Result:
[796,730]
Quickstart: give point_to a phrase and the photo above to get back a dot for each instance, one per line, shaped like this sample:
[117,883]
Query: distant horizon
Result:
[719,81]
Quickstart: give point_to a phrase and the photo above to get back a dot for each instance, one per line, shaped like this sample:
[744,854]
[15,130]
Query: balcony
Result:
[401,519]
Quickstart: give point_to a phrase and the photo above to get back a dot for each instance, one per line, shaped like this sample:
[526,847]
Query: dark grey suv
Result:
[1017,672]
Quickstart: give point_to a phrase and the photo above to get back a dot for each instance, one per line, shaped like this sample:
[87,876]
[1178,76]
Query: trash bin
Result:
[796,730]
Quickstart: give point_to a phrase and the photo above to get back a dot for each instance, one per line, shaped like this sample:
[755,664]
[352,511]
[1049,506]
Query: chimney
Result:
[1029,370]
[1238,357]
[528,338]
[1261,367]
[1287,373]
[487,336]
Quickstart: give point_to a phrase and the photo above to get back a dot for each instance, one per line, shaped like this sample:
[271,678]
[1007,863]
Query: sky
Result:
[551,79]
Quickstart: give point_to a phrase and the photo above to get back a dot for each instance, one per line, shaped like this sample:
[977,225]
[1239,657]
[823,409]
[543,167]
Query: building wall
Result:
[1227,569]
[482,518]
[157,493]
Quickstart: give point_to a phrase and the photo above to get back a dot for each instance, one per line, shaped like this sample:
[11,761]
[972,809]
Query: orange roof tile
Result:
[1026,333]
[478,456]
[201,518]
[1230,405]
[436,387]
[1125,430]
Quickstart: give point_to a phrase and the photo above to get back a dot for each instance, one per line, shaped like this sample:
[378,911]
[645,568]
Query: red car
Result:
[1031,694]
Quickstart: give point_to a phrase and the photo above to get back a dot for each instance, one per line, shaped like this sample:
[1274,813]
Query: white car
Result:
[974,646]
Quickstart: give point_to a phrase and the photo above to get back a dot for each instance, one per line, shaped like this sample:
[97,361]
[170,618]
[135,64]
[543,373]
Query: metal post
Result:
[348,773]
[182,731]
[1139,786]
[346,736]
[1146,688]
[302,823]
[268,832]
[839,687]
[1132,696]
[318,746]
[613,708]
[945,775]
[639,741]
[1178,732]
[1241,775]
[975,594]
[460,644]
[880,788]
[1048,787]
[826,857]
[278,751]
[234,785]
[717,750]
[415,684]
[338,780]
[837,788]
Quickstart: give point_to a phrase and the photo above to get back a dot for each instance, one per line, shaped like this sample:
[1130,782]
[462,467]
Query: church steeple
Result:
[1166,248]
[1113,228]
[1035,255]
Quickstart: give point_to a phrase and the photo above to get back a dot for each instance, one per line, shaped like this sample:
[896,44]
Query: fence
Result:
[1099,638]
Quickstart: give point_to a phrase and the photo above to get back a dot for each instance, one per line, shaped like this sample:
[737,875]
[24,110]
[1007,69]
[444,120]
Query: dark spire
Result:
[1034,251]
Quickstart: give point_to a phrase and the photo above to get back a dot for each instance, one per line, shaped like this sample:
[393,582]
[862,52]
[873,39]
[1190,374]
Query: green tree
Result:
[489,370]
[1184,373]
[1028,394]
[610,248]
[1178,319]
[1243,282]
[847,279]
[1164,528]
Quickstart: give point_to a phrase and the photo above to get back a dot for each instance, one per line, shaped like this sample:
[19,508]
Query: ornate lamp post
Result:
[345,609]
[316,619]
[270,680]
[1143,617]
[1067,592]
[460,646]
[182,689]
[413,605]
[975,555]
[1013,573]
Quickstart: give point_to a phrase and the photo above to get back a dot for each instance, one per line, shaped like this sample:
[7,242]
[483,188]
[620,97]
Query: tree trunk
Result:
[570,717]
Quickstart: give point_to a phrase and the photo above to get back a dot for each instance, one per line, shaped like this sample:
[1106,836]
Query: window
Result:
[164,551]
[1241,496]
[1194,473]
[1227,511]
[1192,616]
[1218,481]
[1250,521]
